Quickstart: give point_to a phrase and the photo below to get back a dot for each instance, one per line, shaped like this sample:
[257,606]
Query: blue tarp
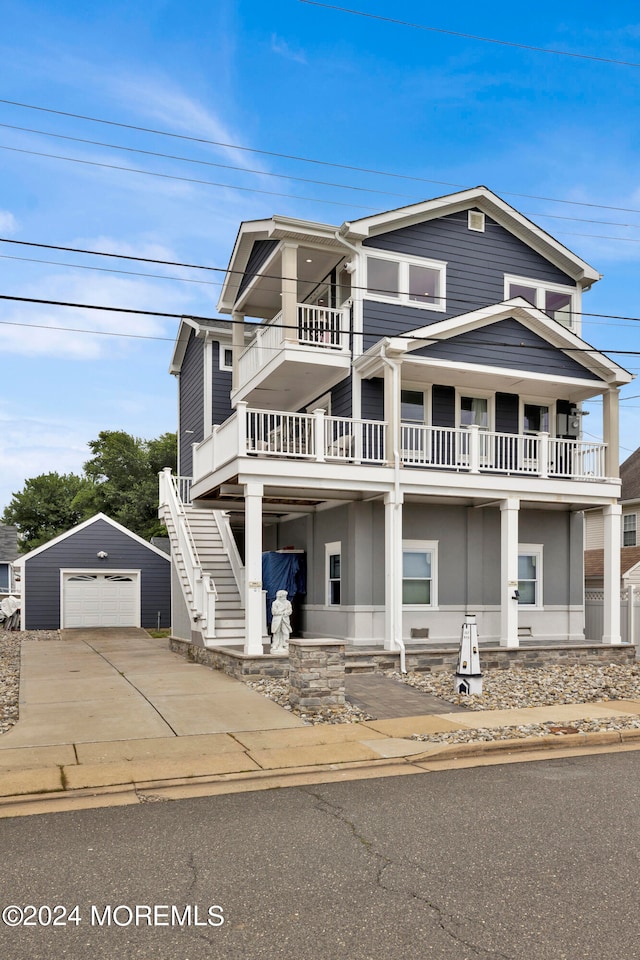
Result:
[283,571]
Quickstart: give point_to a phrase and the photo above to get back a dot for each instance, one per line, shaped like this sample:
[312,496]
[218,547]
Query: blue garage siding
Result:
[476,267]
[78,551]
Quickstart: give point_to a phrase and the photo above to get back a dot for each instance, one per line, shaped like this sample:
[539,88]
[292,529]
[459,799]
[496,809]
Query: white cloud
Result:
[8,223]
[282,48]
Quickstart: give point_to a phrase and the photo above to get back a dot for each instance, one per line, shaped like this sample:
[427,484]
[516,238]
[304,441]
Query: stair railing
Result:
[231,549]
[203,591]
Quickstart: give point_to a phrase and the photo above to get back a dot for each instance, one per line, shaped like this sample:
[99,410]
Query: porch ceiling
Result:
[298,376]
[263,297]
[421,371]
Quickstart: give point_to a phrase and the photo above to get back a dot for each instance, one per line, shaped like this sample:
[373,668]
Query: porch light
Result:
[102,555]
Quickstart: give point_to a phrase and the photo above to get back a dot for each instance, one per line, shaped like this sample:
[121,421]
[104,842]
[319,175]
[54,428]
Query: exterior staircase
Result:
[207,564]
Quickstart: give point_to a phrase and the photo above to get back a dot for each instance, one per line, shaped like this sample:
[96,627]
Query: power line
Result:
[170,176]
[283,326]
[126,273]
[469,36]
[300,159]
[280,176]
[342,186]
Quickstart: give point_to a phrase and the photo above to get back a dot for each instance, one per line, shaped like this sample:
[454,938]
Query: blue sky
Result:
[290,78]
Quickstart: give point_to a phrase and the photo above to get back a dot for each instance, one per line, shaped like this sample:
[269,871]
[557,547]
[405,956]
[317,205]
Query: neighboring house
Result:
[406,411]
[8,553]
[98,574]
[630,531]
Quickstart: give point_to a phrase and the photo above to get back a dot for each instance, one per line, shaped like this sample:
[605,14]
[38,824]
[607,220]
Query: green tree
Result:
[45,507]
[123,475]
[120,479]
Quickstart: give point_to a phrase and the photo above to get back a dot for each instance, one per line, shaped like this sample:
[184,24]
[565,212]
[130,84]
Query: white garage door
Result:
[100,600]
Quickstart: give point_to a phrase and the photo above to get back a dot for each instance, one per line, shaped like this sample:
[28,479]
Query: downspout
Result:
[396,485]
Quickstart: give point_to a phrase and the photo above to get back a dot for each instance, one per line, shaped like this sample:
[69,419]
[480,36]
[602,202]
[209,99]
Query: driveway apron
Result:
[121,684]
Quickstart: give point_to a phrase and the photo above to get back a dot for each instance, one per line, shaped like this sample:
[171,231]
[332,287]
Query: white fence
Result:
[629,615]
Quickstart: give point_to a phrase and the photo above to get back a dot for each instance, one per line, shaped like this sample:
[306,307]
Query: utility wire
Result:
[469,36]
[282,326]
[280,176]
[299,159]
[266,276]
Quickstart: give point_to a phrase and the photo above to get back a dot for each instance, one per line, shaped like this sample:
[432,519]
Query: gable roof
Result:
[81,526]
[483,199]
[630,476]
[546,328]
[202,327]
[594,561]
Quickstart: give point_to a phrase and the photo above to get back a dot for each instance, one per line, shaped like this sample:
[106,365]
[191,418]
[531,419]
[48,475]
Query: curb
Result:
[548,742]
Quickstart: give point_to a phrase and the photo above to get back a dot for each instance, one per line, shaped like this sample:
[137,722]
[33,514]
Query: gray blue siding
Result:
[191,406]
[476,266]
[260,252]
[78,552]
[373,399]
[221,408]
[509,344]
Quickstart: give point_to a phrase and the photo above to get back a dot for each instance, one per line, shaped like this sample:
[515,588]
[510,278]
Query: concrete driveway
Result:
[120,684]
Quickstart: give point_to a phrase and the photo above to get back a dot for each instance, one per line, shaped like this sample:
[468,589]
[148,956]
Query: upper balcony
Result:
[287,362]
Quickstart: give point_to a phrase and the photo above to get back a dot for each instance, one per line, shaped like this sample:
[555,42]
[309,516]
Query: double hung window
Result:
[629,529]
[333,573]
[415,282]
[558,302]
[530,575]
[419,573]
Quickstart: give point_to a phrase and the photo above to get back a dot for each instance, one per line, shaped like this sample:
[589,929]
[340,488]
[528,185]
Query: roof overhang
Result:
[211,329]
[483,199]
[81,526]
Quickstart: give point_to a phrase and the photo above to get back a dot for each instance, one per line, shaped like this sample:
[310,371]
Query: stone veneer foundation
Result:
[421,659]
[316,675]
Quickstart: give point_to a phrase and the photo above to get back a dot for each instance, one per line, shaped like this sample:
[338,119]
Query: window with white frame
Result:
[535,418]
[5,578]
[412,406]
[558,302]
[333,573]
[474,410]
[225,357]
[530,575]
[419,573]
[417,282]
[629,529]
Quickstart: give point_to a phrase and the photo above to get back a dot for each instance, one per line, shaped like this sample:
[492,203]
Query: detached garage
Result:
[98,574]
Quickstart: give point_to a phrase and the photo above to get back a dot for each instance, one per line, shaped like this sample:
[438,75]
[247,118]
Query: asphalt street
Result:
[528,860]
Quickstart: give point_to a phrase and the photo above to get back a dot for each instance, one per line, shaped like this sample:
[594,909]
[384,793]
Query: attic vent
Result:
[476,220]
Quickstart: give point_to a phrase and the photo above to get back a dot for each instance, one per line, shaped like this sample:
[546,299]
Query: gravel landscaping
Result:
[502,689]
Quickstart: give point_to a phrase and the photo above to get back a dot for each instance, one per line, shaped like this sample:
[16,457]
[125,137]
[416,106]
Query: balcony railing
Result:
[321,438]
[323,328]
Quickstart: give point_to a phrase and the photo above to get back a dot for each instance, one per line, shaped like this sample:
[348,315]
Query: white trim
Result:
[497,208]
[222,349]
[93,571]
[536,402]
[322,403]
[422,546]
[405,263]
[533,550]
[332,550]
[87,523]
[480,218]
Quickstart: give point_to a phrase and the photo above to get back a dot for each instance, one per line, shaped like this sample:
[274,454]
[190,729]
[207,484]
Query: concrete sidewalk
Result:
[113,717]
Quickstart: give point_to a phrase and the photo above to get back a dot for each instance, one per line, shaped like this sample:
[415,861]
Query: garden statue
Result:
[281,622]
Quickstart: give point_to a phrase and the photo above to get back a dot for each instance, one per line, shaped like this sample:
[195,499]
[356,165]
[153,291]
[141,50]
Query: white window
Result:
[530,574]
[225,357]
[419,573]
[419,283]
[475,409]
[333,573]
[536,418]
[558,302]
[412,406]
[629,529]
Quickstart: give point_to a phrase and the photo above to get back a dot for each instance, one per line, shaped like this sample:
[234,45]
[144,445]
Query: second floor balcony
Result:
[295,355]
[316,437]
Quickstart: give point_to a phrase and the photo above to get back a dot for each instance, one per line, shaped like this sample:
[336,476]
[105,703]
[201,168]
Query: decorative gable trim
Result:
[82,526]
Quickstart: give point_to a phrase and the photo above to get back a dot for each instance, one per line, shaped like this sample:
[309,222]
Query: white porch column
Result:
[237,344]
[392,407]
[509,572]
[611,432]
[611,623]
[392,569]
[207,413]
[253,599]
[290,292]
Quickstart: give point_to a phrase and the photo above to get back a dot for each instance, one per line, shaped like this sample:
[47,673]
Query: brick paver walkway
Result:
[385,699]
